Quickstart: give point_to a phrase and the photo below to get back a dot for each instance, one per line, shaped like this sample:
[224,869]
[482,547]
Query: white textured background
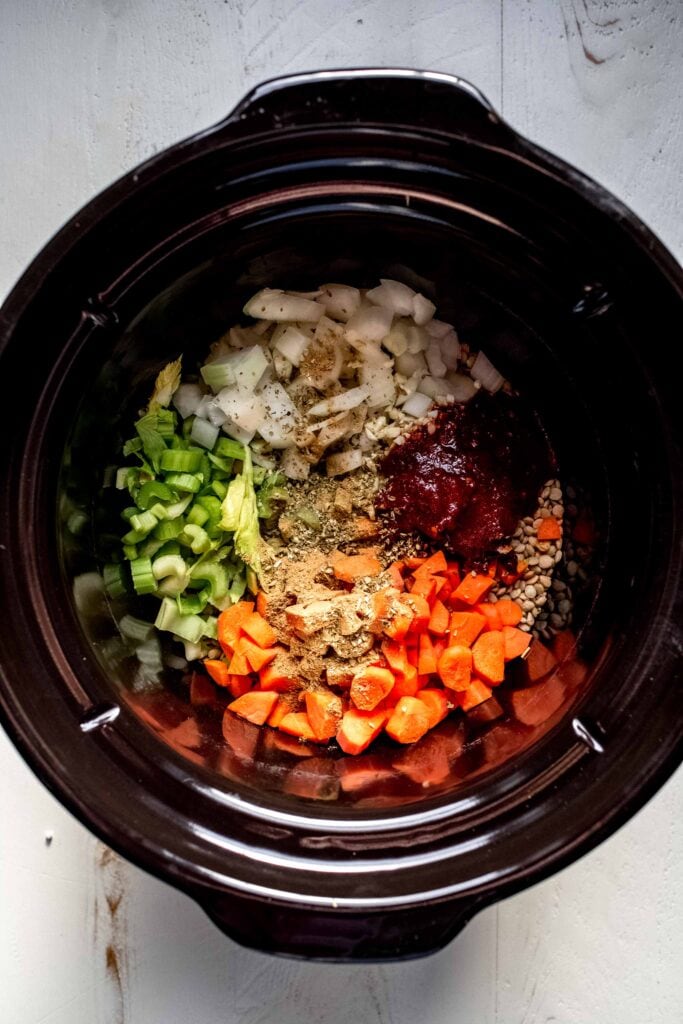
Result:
[88,88]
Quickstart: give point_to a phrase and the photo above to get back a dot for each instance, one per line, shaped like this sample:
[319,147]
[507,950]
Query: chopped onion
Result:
[333,429]
[436,365]
[436,388]
[393,295]
[344,462]
[379,381]
[282,366]
[450,349]
[485,372]
[204,433]
[423,310]
[249,365]
[274,304]
[238,433]
[409,363]
[341,301]
[417,405]
[291,342]
[464,387]
[243,408]
[370,323]
[340,403]
[280,421]
[325,355]
[214,414]
[294,465]
[186,399]
[437,328]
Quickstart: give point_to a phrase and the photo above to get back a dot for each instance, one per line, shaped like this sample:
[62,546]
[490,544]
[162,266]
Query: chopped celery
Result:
[184,481]
[187,627]
[152,492]
[143,521]
[143,578]
[197,515]
[178,461]
[195,537]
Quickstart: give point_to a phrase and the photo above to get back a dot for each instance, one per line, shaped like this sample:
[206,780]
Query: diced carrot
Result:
[490,613]
[202,692]
[426,663]
[562,644]
[515,642]
[395,574]
[420,609]
[380,606]
[427,762]
[409,720]
[324,712]
[446,591]
[509,612]
[472,587]
[359,728]
[273,677]
[424,586]
[396,656]
[230,622]
[256,627]
[436,563]
[539,662]
[465,627]
[255,706]
[256,656]
[413,561]
[455,667]
[439,644]
[398,626]
[488,658]
[262,603]
[340,675]
[218,670]
[280,709]
[296,723]
[239,685]
[439,619]
[436,702]
[476,693]
[549,529]
[412,652]
[350,568]
[536,704]
[407,684]
[370,686]
[239,666]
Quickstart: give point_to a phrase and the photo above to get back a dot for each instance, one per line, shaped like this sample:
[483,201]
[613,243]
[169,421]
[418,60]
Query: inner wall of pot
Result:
[503,300]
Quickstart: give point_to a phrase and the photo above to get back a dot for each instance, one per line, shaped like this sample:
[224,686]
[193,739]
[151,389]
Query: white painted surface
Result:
[88,88]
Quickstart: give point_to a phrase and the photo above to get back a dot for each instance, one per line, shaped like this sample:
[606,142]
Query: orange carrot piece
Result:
[229,624]
[509,612]
[407,684]
[296,723]
[202,690]
[395,574]
[218,670]
[409,720]
[272,677]
[396,655]
[239,666]
[515,642]
[359,728]
[370,686]
[536,704]
[549,529]
[539,662]
[436,563]
[420,609]
[413,562]
[255,706]
[439,619]
[350,568]
[490,613]
[472,587]
[488,658]
[239,685]
[465,627]
[476,693]
[424,586]
[455,667]
[436,702]
[262,603]
[426,663]
[324,712]
[256,627]
[398,626]
[280,709]
[256,656]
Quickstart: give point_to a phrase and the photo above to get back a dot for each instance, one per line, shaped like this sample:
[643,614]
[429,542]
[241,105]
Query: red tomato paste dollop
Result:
[469,476]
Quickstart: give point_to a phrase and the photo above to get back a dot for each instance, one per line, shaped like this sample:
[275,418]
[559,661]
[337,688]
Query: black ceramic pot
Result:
[347,175]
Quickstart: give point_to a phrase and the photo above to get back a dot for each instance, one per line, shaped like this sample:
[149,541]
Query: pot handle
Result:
[398,97]
[336,936]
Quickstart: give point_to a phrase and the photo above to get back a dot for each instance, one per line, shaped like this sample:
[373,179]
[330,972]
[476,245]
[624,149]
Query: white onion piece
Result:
[294,465]
[274,304]
[485,372]
[291,342]
[436,388]
[409,363]
[344,462]
[242,407]
[277,434]
[379,381]
[437,328]
[261,327]
[341,301]
[450,349]
[340,403]
[417,405]
[324,357]
[306,295]
[204,433]
[369,323]
[186,399]
[423,310]
[262,460]
[280,422]
[333,429]
[464,387]
[418,339]
[393,295]
[204,405]
[214,414]
[282,366]
[249,365]
[437,367]
[238,433]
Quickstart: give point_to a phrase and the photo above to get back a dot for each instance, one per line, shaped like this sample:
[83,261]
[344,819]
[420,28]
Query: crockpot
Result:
[346,175]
